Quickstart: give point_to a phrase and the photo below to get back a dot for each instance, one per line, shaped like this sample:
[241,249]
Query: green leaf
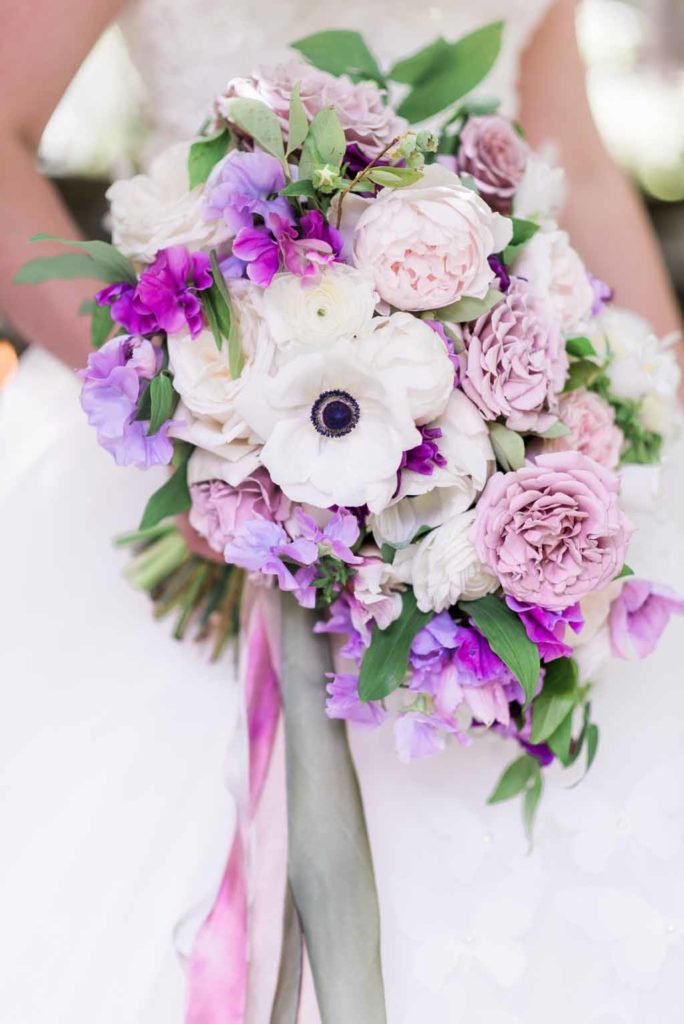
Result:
[205,154]
[255,119]
[592,744]
[110,264]
[558,697]
[557,429]
[581,375]
[561,739]
[387,553]
[479,105]
[227,322]
[163,400]
[386,660]
[298,123]
[340,52]
[211,317]
[394,177]
[578,744]
[515,778]
[422,64]
[507,638]
[325,143]
[458,70]
[531,802]
[523,230]
[101,323]
[580,348]
[303,187]
[509,447]
[625,571]
[172,498]
[468,309]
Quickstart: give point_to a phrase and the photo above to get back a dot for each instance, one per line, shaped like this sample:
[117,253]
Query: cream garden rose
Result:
[427,245]
[153,211]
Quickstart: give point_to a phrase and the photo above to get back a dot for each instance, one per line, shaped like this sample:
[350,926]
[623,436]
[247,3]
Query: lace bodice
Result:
[186,51]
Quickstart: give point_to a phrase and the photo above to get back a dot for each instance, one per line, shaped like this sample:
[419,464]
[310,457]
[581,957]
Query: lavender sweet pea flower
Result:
[336,537]
[305,591]
[418,735]
[603,294]
[242,185]
[258,250]
[135,448]
[547,628]
[259,547]
[638,617]
[344,702]
[341,623]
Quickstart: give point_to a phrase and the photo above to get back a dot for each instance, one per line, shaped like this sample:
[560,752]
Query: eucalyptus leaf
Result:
[394,177]
[507,637]
[204,154]
[340,52]
[455,72]
[163,400]
[172,498]
[580,348]
[422,64]
[515,778]
[258,121]
[298,122]
[385,662]
[469,309]
[509,447]
[330,868]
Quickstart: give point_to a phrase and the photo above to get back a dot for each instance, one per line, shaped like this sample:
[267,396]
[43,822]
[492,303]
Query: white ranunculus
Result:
[639,364]
[431,500]
[334,430]
[427,245]
[153,211]
[338,303]
[557,274]
[443,567]
[541,193]
[407,350]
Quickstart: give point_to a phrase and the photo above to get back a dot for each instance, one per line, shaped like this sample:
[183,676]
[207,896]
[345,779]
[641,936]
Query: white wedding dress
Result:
[114,818]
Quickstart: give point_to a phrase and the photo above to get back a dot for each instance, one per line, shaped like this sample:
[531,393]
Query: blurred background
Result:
[634,51]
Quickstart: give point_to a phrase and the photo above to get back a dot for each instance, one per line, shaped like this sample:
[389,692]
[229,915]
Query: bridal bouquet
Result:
[386,384]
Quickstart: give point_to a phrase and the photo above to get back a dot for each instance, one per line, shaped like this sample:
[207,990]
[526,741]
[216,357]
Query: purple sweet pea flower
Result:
[305,592]
[336,538]
[540,751]
[314,226]
[340,622]
[425,456]
[113,381]
[259,252]
[258,547]
[165,297]
[603,294]
[638,617]
[306,255]
[417,734]
[501,272]
[344,702]
[438,327]
[241,187]
[546,628]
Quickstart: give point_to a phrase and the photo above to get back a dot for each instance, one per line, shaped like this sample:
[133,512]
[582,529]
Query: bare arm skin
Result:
[41,48]
[604,214]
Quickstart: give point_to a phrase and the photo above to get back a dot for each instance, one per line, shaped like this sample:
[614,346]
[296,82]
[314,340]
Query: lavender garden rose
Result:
[552,531]
[495,156]
[219,511]
[514,362]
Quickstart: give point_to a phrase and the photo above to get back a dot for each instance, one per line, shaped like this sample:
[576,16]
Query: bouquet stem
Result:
[329,860]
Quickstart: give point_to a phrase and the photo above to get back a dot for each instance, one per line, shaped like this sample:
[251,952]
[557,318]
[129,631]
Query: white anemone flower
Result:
[304,313]
[430,500]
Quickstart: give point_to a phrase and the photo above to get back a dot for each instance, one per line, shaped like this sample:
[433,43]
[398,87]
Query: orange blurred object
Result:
[8,363]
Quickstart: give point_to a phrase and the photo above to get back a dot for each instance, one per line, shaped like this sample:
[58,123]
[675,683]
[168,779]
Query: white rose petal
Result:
[541,193]
[153,211]
[443,567]
[557,275]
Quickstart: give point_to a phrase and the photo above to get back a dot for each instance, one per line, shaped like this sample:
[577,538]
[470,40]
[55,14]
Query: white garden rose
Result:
[304,313]
[557,274]
[405,348]
[152,211]
[430,500]
[234,451]
[427,245]
[541,193]
[640,366]
[443,567]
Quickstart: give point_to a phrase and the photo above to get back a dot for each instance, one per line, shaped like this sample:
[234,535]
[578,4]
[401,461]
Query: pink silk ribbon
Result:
[218,969]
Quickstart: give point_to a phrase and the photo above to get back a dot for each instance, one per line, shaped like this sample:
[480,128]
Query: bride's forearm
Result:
[44,314]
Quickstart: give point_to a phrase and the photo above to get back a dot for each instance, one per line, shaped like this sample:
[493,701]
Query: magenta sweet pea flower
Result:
[546,628]
[259,253]
[638,617]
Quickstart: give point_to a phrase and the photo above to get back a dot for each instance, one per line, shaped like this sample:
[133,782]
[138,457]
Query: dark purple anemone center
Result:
[335,413]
